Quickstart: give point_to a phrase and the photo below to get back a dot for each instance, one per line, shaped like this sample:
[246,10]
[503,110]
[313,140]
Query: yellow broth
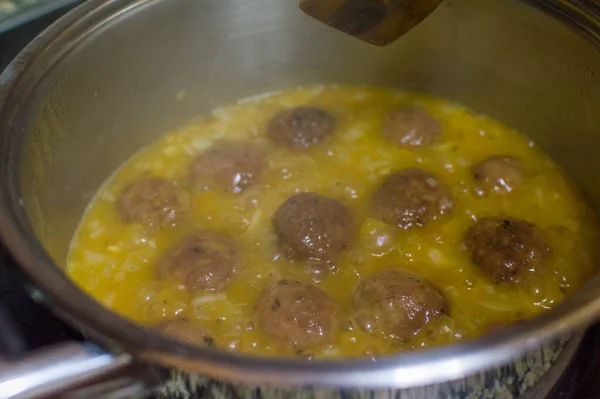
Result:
[115,262]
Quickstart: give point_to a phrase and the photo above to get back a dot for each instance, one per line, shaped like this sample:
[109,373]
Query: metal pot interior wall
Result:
[152,69]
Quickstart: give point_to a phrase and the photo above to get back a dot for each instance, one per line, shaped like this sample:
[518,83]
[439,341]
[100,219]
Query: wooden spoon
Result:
[378,22]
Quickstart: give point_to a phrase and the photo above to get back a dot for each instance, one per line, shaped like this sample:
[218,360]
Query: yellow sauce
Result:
[115,262]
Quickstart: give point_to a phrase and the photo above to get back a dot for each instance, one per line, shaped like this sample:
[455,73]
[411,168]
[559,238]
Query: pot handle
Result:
[57,369]
[74,370]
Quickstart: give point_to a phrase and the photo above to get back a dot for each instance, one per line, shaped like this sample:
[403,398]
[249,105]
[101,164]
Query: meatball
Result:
[411,198]
[205,260]
[232,167]
[182,330]
[400,303]
[154,202]
[498,173]
[297,315]
[411,127]
[505,249]
[312,227]
[301,128]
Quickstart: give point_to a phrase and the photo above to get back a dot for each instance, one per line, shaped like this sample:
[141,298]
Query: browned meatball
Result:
[155,202]
[506,248]
[411,127]
[400,302]
[229,166]
[297,315]
[301,128]
[498,173]
[310,226]
[182,330]
[205,260]
[411,198]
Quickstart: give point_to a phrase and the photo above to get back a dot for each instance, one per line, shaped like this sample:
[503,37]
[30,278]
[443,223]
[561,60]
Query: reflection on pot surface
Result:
[335,221]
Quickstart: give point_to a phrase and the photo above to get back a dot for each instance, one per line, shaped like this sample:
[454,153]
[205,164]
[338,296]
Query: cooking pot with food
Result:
[340,235]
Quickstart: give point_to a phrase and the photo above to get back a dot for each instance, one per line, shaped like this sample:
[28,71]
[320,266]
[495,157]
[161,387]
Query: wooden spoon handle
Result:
[378,22]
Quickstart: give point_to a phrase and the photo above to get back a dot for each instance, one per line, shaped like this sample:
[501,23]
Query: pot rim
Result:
[417,368]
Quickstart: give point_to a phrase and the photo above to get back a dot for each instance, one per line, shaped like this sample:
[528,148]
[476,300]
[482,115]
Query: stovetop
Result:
[36,327]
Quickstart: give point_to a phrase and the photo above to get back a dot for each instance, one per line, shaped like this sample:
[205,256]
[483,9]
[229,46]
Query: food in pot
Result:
[507,248]
[232,167]
[301,128]
[298,315]
[313,227]
[204,260]
[411,198]
[289,225]
[399,303]
[498,173]
[155,202]
[411,126]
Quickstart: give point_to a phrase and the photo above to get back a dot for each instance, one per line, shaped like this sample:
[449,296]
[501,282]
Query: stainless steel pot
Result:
[113,75]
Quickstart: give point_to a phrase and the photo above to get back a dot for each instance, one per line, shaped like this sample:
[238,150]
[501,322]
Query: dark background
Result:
[32,326]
